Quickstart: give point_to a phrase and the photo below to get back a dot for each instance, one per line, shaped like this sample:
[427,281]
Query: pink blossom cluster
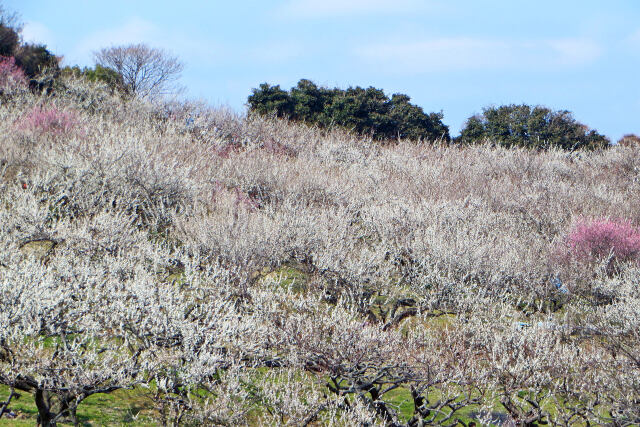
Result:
[600,238]
[10,74]
[49,120]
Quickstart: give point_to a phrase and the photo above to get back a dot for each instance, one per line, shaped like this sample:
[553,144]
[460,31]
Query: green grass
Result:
[400,399]
[135,407]
[287,277]
[122,407]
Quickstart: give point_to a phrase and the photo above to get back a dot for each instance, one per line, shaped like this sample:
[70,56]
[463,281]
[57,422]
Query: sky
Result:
[455,56]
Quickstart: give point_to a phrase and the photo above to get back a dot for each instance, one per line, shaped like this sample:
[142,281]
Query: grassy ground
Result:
[123,407]
[135,408]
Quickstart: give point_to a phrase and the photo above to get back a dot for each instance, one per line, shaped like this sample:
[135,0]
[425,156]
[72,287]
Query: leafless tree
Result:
[147,72]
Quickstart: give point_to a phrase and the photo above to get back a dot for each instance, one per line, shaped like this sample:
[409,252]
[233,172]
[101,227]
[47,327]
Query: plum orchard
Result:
[252,271]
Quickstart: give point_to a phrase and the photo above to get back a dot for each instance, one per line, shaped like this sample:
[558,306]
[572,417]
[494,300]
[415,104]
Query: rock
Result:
[40,248]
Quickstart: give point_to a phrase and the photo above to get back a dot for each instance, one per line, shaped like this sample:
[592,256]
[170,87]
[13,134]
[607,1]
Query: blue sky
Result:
[457,56]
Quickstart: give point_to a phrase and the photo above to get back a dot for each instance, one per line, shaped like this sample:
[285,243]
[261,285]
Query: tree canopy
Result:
[146,72]
[35,58]
[533,127]
[9,32]
[97,74]
[366,111]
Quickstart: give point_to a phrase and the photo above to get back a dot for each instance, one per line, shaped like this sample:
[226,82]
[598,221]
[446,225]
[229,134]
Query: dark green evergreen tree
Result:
[533,127]
[9,40]
[35,58]
[412,122]
[308,101]
[365,111]
[269,99]
[10,27]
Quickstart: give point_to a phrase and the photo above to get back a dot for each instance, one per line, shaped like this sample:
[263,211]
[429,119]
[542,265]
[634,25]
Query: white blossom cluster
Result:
[252,271]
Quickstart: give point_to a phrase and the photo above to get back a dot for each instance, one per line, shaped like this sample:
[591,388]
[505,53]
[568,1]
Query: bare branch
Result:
[146,72]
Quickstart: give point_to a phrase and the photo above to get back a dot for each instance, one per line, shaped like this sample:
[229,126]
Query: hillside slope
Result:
[242,270]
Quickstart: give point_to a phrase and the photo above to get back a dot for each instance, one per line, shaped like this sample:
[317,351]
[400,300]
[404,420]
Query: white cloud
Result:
[136,30]
[575,51]
[133,31]
[330,8]
[436,54]
[36,32]
[464,53]
[189,49]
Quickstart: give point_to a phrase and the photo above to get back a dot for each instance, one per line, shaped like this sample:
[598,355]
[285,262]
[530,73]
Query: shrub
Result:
[35,58]
[413,123]
[98,74]
[9,40]
[531,127]
[598,239]
[366,111]
[269,99]
[10,27]
[11,75]
[629,140]
[51,121]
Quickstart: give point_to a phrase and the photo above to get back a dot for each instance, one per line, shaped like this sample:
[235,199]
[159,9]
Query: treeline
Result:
[140,71]
[371,112]
[527,126]
[366,111]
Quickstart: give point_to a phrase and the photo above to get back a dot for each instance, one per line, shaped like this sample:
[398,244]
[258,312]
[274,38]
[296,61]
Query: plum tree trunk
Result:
[43,402]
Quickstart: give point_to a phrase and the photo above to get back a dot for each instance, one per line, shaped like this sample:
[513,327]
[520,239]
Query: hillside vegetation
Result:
[192,266]
[371,113]
[367,111]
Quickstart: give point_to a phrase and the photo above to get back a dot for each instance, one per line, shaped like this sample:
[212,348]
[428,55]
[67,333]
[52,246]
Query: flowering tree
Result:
[11,76]
[601,238]
[338,284]
[51,121]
